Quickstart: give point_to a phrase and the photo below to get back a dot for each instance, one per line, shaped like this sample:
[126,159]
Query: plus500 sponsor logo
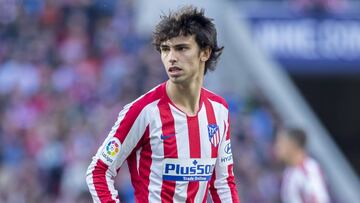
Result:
[188,169]
[192,170]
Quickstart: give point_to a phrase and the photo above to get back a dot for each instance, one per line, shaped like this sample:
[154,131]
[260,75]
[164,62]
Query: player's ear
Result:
[205,54]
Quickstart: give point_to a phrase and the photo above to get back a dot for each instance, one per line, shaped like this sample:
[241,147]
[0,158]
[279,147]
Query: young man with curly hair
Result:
[176,137]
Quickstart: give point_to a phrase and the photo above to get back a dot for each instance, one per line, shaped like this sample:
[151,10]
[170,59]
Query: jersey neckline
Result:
[177,108]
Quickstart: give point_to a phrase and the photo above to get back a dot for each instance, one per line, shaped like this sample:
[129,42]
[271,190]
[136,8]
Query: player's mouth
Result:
[175,71]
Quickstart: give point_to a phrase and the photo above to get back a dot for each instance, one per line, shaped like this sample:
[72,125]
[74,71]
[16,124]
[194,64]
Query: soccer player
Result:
[303,181]
[176,137]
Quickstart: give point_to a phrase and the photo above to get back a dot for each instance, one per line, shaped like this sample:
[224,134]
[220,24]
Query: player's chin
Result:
[177,80]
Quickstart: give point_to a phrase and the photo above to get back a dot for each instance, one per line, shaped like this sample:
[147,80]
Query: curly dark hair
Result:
[186,21]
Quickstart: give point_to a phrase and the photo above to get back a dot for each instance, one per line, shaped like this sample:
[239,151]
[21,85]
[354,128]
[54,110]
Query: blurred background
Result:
[67,68]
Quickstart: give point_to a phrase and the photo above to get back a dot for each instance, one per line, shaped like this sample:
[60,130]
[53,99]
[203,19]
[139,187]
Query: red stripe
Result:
[135,178]
[231,183]
[134,111]
[100,183]
[194,137]
[141,190]
[195,152]
[215,196]
[145,164]
[170,147]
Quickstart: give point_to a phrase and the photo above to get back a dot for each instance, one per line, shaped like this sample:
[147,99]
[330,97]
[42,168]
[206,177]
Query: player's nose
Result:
[172,57]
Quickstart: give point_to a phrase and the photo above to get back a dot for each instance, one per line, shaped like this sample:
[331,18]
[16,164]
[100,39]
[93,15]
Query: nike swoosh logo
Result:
[164,137]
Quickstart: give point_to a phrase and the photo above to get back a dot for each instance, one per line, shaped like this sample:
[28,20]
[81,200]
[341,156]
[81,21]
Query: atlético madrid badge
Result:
[214,134]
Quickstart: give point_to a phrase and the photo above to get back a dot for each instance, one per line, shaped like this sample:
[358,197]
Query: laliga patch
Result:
[188,169]
[110,151]
[226,155]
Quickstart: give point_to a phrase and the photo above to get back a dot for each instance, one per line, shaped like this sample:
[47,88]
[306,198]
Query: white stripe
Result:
[110,183]
[320,192]
[201,192]
[138,159]
[180,192]
[223,188]
[157,156]
[183,149]
[216,138]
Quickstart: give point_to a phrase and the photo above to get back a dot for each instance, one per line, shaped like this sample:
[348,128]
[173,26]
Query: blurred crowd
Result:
[309,6]
[66,69]
[253,125]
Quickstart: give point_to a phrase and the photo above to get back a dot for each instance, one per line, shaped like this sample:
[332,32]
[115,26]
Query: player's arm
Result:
[122,139]
[222,184]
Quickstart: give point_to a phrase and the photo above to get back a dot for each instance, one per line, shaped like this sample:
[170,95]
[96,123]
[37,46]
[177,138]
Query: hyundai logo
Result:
[228,148]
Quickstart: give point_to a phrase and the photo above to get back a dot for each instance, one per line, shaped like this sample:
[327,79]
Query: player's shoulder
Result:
[312,164]
[214,97]
[307,167]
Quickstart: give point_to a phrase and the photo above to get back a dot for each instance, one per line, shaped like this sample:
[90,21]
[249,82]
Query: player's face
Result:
[183,60]
[283,147]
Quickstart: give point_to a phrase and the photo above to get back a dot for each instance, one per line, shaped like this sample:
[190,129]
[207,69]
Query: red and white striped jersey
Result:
[304,184]
[172,157]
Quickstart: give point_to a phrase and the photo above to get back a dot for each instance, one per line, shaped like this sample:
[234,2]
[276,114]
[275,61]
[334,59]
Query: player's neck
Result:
[186,97]
[298,158]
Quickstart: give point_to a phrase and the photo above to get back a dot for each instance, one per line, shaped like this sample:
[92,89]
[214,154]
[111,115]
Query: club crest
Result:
[214,135]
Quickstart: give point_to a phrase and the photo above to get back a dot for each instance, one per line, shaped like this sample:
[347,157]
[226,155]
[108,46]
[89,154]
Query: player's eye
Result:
[164,49]
[182,48]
